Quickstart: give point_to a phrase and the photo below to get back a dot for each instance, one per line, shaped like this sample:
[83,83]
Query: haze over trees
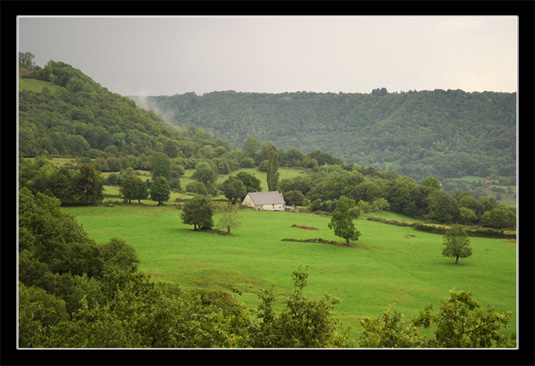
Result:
[440,133]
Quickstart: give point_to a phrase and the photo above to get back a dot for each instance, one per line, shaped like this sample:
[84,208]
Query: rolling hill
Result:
[444,133]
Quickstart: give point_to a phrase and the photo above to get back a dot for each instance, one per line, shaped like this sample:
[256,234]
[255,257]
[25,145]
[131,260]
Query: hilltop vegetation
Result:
[62,112]
[443,133]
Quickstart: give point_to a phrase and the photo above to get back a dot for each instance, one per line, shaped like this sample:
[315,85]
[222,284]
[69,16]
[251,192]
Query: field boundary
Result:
[441,229]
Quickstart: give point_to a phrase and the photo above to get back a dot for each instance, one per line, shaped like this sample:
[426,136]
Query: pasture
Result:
[388,267]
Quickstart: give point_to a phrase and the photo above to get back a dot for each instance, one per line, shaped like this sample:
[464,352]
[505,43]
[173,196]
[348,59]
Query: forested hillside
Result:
[447,134]
[63,112]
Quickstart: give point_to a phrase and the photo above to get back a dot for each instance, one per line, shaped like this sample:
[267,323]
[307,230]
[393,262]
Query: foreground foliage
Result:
[460,323]
[74,293]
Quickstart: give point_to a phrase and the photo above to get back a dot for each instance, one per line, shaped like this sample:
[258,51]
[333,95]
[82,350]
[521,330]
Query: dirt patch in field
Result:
[511,240]
[305,227]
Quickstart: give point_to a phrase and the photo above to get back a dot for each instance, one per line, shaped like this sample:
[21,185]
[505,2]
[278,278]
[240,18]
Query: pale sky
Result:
[275,54]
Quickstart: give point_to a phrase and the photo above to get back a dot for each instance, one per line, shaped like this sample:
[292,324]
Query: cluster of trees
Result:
[443,133]
[74,293]
[80,187]
[373,189]
[84,185]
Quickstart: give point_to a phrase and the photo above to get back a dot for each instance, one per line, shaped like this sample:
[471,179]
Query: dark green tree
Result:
[160,165]
[273,171]
[207,176]
[295,198]
[389,330]
[171,149]
[26,59]
[500,217]
[198,211]
[431,182]
[251,146]
[234,190]
[457,243]
[160,190]
[467,216]
[133,188]
[252,183]
[87,186]
[442,207]
[342,219]
[118,255]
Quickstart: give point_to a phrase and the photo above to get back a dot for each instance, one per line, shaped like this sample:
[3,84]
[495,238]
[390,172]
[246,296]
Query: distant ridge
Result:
[444,133]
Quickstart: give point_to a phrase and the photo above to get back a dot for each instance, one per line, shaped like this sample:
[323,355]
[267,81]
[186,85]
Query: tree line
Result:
[443,133]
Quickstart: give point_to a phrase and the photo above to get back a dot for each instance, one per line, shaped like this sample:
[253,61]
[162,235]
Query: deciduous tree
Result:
[160,165]
[457,244]
[133,188]
[198,211]
[273,171]
[160,190]
[342,219]
[229,217]
[87,186]
[234,189]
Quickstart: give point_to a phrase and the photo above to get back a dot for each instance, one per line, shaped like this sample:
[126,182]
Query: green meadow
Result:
[386,267]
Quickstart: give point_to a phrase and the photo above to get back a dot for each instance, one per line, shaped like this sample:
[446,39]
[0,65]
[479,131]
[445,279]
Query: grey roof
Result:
[266,198]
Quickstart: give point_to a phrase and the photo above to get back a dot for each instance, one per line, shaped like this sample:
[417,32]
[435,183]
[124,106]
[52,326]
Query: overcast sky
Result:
[175,55]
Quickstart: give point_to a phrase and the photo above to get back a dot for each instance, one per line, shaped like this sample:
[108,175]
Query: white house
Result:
[265,201]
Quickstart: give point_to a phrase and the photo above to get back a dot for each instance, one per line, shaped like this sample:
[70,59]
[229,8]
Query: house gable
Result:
[272,201]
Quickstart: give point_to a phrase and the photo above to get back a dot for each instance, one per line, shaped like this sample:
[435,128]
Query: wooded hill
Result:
[63,112]
[446,134]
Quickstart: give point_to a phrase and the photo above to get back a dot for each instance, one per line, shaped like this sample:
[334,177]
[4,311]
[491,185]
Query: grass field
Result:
[389,268]
[37,85]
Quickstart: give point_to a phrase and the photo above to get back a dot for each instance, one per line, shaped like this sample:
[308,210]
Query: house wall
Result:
[278,207]
[247,201]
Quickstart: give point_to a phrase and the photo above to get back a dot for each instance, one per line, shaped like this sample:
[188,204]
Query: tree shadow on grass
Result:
[207,231]
[450,262]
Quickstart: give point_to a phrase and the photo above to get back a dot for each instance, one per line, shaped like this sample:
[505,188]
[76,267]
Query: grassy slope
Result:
[411,272]
[37,85]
